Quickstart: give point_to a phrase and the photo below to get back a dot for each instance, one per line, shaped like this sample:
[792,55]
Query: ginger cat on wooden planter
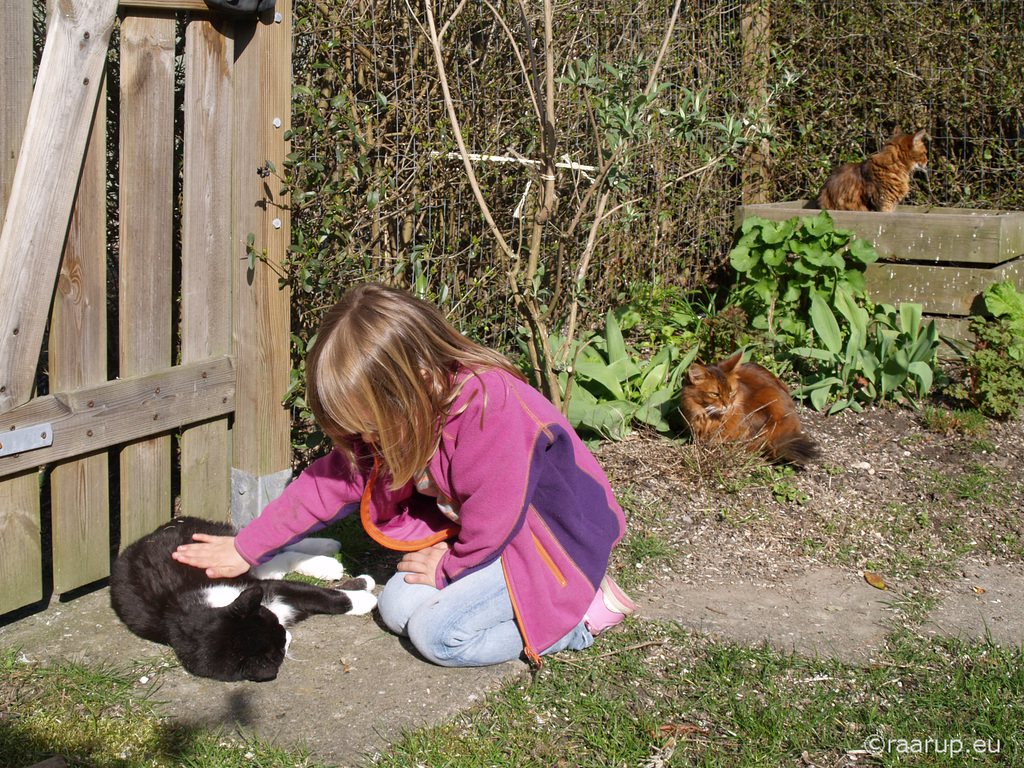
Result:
[881,181]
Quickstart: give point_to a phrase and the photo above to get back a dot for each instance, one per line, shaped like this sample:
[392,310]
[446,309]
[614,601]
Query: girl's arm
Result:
[326,491]
[489,469]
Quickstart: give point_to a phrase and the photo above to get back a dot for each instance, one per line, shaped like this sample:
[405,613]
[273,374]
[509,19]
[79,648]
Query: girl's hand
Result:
[421,566]
[217,554]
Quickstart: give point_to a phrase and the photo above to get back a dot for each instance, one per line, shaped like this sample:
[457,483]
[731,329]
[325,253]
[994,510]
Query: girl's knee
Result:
[450,640]
[398,600]
[433,636]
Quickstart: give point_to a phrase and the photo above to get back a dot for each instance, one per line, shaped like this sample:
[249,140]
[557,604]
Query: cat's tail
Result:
[797,448]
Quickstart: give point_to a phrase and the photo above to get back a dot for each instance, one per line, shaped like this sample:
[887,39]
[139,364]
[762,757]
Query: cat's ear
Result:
[920,136]
[248,602]
[730,363]
[697,373]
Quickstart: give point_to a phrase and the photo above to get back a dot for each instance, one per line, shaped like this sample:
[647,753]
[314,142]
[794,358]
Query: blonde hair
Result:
[384,363]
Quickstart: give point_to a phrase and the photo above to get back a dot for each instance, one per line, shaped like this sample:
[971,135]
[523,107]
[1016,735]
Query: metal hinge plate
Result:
[26,439]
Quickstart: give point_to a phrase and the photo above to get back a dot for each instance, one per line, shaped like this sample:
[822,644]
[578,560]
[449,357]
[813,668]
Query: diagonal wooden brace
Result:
[45,182]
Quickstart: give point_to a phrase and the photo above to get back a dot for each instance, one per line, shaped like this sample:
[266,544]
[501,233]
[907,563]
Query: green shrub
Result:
[659,314]
[783,265]
[609,388]
[995,370]
[995,367]
[888,356]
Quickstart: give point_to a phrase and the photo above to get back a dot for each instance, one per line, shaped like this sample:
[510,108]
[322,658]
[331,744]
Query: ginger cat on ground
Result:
[726,402]
[881,181]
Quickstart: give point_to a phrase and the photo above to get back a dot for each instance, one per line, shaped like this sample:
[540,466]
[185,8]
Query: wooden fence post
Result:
[79,489]
[261,306]
[146,198]
[755,29]
[19,496]
[206,252]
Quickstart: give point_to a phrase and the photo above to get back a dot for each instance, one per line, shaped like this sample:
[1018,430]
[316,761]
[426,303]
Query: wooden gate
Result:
[189,389]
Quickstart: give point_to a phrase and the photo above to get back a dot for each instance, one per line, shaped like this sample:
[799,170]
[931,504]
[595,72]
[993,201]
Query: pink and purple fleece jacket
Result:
[529,491]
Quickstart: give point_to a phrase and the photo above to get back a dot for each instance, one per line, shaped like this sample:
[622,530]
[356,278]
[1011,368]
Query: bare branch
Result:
[435,42]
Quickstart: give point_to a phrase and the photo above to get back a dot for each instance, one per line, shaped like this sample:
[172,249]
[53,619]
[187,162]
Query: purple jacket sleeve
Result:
[326,491]
[486,464]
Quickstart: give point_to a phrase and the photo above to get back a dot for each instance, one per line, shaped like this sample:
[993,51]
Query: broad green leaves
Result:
[782,265]
[805,270]
[609,388]
[890,357]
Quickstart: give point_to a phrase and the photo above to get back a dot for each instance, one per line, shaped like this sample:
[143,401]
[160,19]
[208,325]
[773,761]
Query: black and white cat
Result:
[227,629]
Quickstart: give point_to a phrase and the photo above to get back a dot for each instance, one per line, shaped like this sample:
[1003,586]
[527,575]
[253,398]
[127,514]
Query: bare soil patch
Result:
[755,551]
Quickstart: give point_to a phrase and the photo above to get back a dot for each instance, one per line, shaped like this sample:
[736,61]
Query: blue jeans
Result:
[469,623]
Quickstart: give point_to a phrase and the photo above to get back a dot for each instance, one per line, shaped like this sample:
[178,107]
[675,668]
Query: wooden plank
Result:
[121,411]
[955,328]
[206,253]
[37,214]
[941,290]
[16,87]
[146,192]
[914,233]
[21,578]
[80,508]
[21,556]
[261,313]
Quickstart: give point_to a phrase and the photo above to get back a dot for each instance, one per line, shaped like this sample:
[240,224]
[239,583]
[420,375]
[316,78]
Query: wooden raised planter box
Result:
[941,258]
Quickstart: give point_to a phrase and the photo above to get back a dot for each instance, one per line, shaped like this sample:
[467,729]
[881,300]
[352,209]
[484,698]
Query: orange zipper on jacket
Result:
[382,538]
[528,651]
[547,559]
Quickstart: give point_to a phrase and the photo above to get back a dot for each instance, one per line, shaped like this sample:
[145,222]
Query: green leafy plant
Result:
[786,491]
[1003,301]
[659,314]
[608,387]
[783,265]
[944,421]
[890,355]
[995,367]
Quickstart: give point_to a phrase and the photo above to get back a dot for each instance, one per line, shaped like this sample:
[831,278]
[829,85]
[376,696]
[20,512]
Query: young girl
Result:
[448,455]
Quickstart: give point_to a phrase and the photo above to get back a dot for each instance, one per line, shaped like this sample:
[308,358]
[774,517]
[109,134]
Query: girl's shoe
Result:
[610,606]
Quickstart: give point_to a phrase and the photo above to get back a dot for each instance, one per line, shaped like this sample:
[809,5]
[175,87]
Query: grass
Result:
[971,422]
[100,717]
[650,694]
[656,696]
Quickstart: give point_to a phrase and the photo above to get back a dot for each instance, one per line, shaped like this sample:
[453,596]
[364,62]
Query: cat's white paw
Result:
[362,602]
[320,567]
[368,581]
[280,564]
[315,547]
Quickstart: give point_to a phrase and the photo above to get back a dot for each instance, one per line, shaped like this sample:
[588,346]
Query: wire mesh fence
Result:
[754,100]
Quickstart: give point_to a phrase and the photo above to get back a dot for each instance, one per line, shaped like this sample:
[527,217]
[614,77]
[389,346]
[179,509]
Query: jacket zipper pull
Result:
[536,664]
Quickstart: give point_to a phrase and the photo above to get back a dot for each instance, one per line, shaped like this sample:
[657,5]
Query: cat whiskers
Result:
[288,647]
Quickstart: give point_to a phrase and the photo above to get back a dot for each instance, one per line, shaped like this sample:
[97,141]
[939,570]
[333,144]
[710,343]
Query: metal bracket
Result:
[250,494]
[26,439]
